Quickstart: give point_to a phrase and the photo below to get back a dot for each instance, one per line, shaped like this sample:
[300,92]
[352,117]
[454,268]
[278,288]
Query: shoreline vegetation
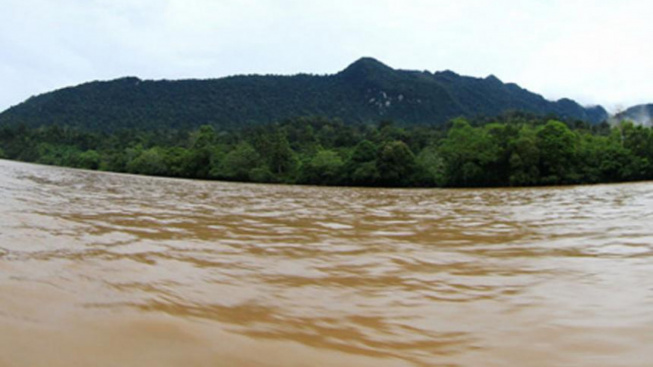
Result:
[513,150]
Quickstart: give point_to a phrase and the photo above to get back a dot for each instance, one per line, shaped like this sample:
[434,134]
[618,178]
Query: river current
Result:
[102,269]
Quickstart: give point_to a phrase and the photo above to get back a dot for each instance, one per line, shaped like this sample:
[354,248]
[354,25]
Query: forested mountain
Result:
[641,114]
[367,90]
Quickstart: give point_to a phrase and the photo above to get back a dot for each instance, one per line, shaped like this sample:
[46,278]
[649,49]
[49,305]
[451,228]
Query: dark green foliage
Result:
[148,162]
[364,151]
[323,168]
[281,158]
[470,155]
[361,167]
[431,167]
[365,174]
[239,163]
[396,164]
[524,158]
[89,159]
[558,143]
[514,150]
[365,91]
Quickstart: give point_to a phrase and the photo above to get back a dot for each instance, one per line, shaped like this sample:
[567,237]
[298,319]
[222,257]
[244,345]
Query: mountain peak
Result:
[369,62]
[492,78]
[447,74]
[366,67]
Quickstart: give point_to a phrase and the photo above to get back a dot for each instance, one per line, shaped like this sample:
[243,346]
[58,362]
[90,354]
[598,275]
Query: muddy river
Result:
[101,269]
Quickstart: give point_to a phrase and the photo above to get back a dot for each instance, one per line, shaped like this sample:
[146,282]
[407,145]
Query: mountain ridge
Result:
[641,114]
[366,90]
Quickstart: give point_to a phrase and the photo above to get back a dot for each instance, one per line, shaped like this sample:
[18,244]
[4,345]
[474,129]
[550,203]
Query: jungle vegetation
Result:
[365,92]
[512,150]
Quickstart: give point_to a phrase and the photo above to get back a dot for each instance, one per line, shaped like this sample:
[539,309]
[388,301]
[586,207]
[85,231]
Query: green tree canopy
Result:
[469,153]
[511,151]
[238,163]
[557,144]
[149,162]
[396,164]
[325,167]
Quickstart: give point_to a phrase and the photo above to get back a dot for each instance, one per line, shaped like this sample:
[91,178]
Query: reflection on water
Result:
[104,269]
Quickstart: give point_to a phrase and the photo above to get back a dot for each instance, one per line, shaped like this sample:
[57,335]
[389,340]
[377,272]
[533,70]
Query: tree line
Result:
[512,150]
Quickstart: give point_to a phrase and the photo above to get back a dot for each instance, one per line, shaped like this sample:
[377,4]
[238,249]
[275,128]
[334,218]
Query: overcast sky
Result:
[594,51]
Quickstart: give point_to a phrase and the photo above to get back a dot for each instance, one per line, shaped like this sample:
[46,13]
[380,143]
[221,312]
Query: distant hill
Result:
[642,114]
[367,90]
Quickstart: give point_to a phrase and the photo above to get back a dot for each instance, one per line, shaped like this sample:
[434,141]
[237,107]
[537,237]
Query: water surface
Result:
[100,269]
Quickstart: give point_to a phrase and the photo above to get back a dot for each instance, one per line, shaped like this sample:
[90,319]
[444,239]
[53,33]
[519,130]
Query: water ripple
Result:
[502,277]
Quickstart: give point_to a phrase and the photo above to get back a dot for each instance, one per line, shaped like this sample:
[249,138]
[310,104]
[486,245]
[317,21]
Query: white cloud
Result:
[594,51]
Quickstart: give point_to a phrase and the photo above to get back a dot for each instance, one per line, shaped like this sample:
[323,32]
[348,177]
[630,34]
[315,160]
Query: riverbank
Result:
[517,152]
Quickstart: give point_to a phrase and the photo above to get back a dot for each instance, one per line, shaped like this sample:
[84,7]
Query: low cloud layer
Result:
[592,51]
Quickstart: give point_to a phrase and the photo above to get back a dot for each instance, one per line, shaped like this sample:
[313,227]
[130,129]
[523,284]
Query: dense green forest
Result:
[514,150]
[364,92]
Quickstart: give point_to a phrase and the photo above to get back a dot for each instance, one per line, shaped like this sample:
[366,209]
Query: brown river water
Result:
[101,269]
